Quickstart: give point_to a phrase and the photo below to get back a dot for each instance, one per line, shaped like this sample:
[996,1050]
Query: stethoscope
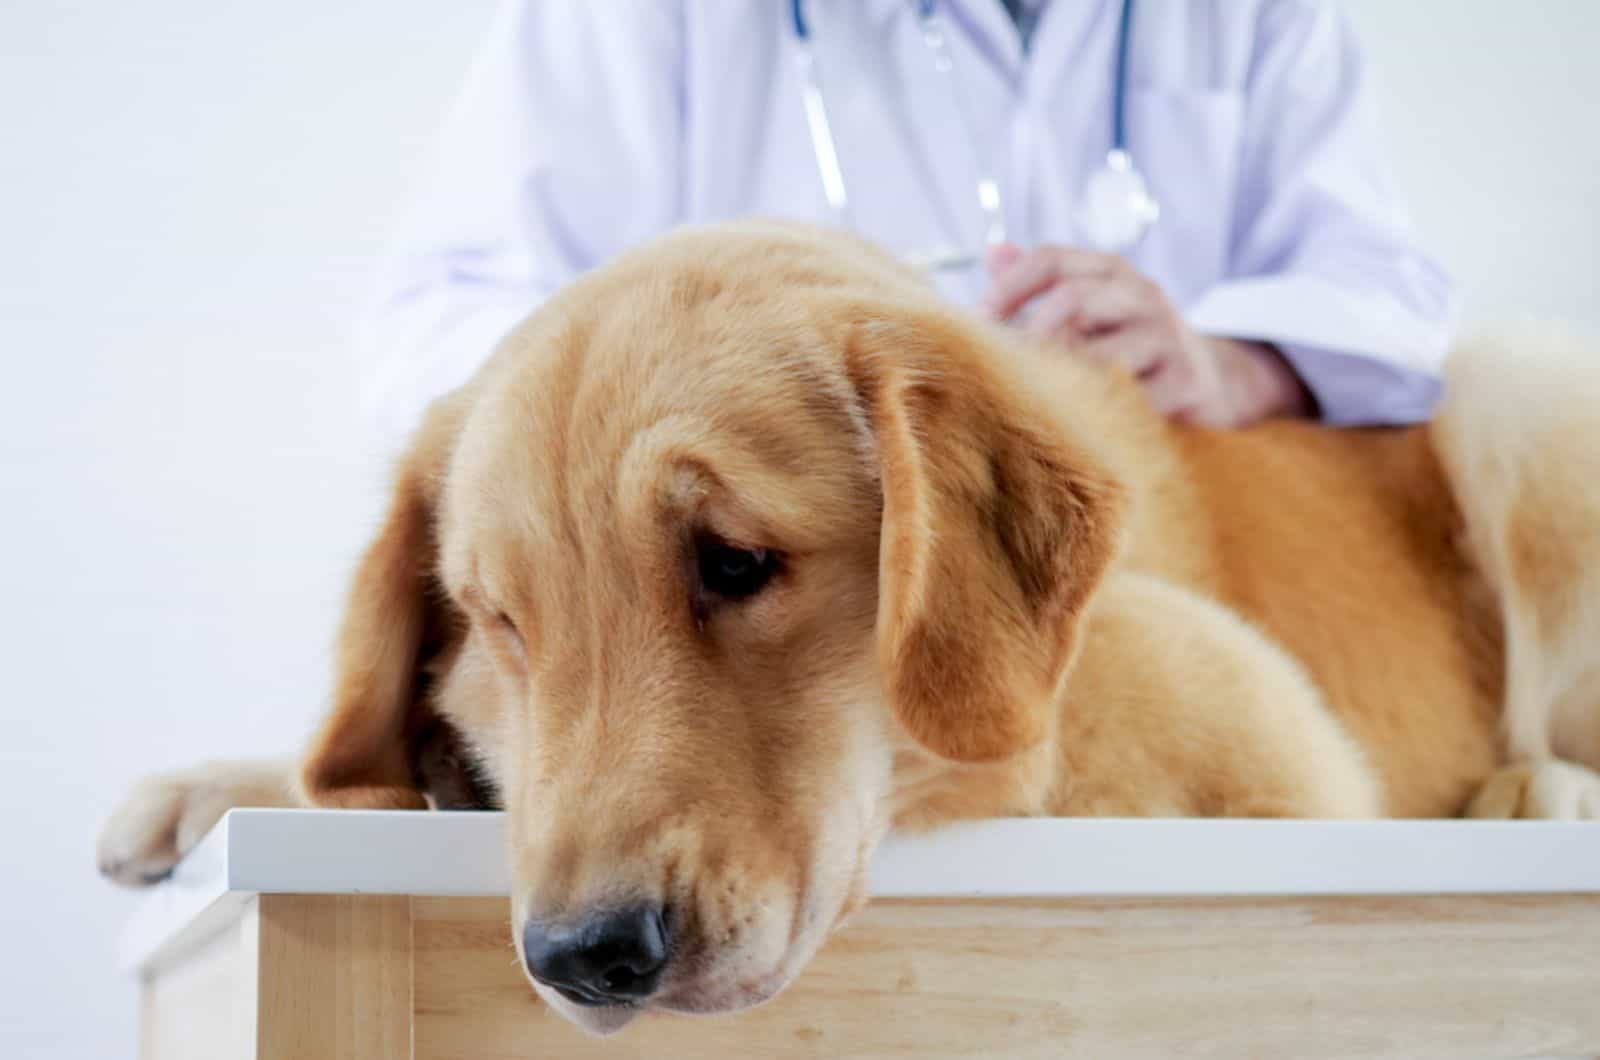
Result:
[1117,207]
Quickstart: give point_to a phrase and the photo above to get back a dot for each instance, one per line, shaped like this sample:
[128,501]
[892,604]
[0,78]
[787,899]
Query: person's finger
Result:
[1139,351]
[1036,271]
[1015,285]
[999,257]
[1071,261]
[1114,302]
[1187,388]
[1170,389]
[1049,312]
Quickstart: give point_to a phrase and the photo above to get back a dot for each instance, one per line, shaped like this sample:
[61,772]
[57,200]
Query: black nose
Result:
[603,959]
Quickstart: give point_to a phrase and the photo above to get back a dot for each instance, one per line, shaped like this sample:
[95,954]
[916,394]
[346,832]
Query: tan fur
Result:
[393,624]
[1520,438]
[1007,587]
[166,814]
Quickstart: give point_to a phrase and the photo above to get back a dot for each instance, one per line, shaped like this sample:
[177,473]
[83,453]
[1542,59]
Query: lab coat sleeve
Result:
[563,148]
[1323,259]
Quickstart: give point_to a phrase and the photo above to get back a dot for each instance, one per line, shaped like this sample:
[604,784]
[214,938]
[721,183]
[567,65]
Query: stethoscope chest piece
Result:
[1118,208]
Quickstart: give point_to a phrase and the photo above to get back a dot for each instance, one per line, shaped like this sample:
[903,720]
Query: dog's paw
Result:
[164,816]
[1548,789]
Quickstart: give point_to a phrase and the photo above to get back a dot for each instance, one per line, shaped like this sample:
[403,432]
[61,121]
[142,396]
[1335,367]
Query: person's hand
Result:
[1106,311]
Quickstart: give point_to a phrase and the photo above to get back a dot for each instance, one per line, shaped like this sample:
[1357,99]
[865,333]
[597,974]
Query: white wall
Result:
[1493,118]
[191,193]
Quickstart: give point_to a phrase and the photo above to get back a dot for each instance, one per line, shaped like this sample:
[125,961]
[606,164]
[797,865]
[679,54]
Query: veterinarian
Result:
[1193,190]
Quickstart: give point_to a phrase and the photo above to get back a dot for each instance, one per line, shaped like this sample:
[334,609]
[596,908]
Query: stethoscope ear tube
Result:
[821,132]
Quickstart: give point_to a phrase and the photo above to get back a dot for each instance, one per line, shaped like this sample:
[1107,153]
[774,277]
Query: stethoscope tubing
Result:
[1119,82]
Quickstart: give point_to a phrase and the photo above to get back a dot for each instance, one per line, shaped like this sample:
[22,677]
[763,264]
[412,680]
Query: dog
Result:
[747,548]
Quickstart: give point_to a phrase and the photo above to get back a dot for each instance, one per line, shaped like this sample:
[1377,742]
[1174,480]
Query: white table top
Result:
[373,852]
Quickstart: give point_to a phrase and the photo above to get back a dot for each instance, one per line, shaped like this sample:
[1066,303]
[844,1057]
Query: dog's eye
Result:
[734,573]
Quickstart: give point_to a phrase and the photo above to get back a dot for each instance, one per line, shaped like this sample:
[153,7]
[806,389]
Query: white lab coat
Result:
[586,126]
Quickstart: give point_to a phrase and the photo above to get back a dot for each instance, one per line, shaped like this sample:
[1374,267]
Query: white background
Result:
[191,196]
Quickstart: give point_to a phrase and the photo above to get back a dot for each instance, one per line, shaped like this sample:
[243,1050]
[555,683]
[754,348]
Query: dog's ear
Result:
[396,617]
[997,526]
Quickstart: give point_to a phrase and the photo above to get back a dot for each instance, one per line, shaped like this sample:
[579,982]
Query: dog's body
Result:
[745,549]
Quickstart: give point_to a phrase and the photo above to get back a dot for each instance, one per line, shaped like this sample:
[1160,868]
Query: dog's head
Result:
[735,543]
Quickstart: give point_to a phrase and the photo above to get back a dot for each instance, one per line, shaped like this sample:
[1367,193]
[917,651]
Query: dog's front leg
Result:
[165,815]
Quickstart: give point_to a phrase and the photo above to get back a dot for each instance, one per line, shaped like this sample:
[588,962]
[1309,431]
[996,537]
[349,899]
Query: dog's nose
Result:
[604,959]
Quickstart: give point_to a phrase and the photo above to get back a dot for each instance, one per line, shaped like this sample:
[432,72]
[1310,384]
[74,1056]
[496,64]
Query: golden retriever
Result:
[747,548]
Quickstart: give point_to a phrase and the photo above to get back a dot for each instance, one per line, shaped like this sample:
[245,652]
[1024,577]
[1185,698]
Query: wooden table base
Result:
[360,977]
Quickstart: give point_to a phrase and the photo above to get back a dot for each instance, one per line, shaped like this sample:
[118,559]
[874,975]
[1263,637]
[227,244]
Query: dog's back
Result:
[1434,580]
[1344,547]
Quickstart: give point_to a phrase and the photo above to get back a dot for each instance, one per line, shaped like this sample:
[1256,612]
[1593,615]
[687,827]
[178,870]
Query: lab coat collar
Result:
[1060,34]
